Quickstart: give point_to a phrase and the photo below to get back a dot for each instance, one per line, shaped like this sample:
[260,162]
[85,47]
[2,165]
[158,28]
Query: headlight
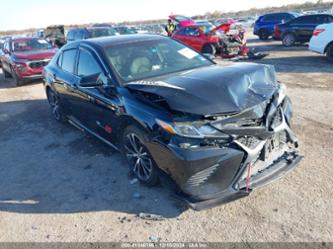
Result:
[19,63]
[191,129]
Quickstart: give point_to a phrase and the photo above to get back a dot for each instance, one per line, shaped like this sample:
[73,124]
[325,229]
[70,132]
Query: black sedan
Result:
[300,29]
[215,132]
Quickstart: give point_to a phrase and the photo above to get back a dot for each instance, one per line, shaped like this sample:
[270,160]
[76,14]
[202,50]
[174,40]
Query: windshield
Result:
[146,59]
[30,45]
[206,26]
[93,33]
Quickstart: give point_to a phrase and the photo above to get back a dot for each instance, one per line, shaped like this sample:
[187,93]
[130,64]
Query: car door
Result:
[195,38]
[181,35]
[95,107]
[304,27]
[64,80]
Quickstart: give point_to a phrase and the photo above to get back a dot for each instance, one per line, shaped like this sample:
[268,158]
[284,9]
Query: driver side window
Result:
[87,65]
[192,32]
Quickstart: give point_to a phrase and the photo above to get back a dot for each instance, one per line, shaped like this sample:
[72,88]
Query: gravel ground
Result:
[59,185]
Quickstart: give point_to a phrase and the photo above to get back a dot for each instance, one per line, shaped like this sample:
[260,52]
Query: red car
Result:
[25,58]
[196,38]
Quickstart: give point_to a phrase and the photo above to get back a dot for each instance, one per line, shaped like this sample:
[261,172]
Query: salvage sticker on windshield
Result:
[42,41]
[188,53]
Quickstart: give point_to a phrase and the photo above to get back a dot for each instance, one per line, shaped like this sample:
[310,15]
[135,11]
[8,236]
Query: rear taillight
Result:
[317,32]
[277,31]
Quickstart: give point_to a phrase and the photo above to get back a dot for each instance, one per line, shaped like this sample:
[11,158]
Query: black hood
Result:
[214,89]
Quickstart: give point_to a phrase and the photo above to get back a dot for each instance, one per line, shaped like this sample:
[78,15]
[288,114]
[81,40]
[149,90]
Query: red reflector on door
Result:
[108,129]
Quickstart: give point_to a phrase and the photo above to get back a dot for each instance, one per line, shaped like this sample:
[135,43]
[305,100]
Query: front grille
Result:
[38,64]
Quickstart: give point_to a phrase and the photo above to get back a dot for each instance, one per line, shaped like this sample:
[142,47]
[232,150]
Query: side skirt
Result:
[73,121]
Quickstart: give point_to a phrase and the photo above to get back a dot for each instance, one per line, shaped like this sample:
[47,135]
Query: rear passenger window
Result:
[305,20]
[68,60]
[325,19]
[87,64]
[287,18]
[270,18]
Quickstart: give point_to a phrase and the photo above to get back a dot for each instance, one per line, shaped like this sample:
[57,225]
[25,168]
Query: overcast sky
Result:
[21,14]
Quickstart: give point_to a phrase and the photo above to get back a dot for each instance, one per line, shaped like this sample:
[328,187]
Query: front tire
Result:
[18,81]
[138,157]
[288,40]
[329,53]
[6,74]
[209,49]
[53,100]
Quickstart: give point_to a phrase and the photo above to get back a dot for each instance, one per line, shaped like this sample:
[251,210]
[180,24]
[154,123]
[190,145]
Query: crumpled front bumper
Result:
[211,175]
[208,177]
[271,174]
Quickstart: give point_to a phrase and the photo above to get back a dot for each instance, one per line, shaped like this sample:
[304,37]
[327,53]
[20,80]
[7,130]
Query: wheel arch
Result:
[127,120]
[289,32]
[327,46]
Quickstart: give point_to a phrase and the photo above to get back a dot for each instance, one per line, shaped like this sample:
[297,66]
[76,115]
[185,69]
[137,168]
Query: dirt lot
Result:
[56,184]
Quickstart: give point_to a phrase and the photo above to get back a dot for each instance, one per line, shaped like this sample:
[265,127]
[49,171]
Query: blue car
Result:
[264,26]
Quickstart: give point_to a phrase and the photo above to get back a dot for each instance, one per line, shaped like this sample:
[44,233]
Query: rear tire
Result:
[288,40]
[263,35]
[6,74]
[138,157]
[329,53]
[53,100]
[209,49]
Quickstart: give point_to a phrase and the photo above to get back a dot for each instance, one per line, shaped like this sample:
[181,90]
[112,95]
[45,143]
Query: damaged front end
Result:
[220,157]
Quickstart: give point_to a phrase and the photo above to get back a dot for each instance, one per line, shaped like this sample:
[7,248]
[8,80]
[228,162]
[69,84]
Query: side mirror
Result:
[93,80]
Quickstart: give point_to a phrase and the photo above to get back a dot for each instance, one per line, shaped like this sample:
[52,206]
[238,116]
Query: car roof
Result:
[278,13]
[97,28]
[320,14]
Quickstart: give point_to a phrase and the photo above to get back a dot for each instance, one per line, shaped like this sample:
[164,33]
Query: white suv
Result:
[322,40]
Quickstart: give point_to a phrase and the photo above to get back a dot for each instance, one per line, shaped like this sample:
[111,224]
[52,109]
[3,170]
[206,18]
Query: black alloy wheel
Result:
[141,162]
[55,107]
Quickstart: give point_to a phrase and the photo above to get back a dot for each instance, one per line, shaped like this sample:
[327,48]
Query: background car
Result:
[322,40]
[90,32]
[2,41]
[300,29]
[196,38]
[55,34]
[264,26]
[125,30]
[24,58]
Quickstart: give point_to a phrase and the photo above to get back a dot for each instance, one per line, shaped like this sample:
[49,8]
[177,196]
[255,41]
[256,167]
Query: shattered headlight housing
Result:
[197,129]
